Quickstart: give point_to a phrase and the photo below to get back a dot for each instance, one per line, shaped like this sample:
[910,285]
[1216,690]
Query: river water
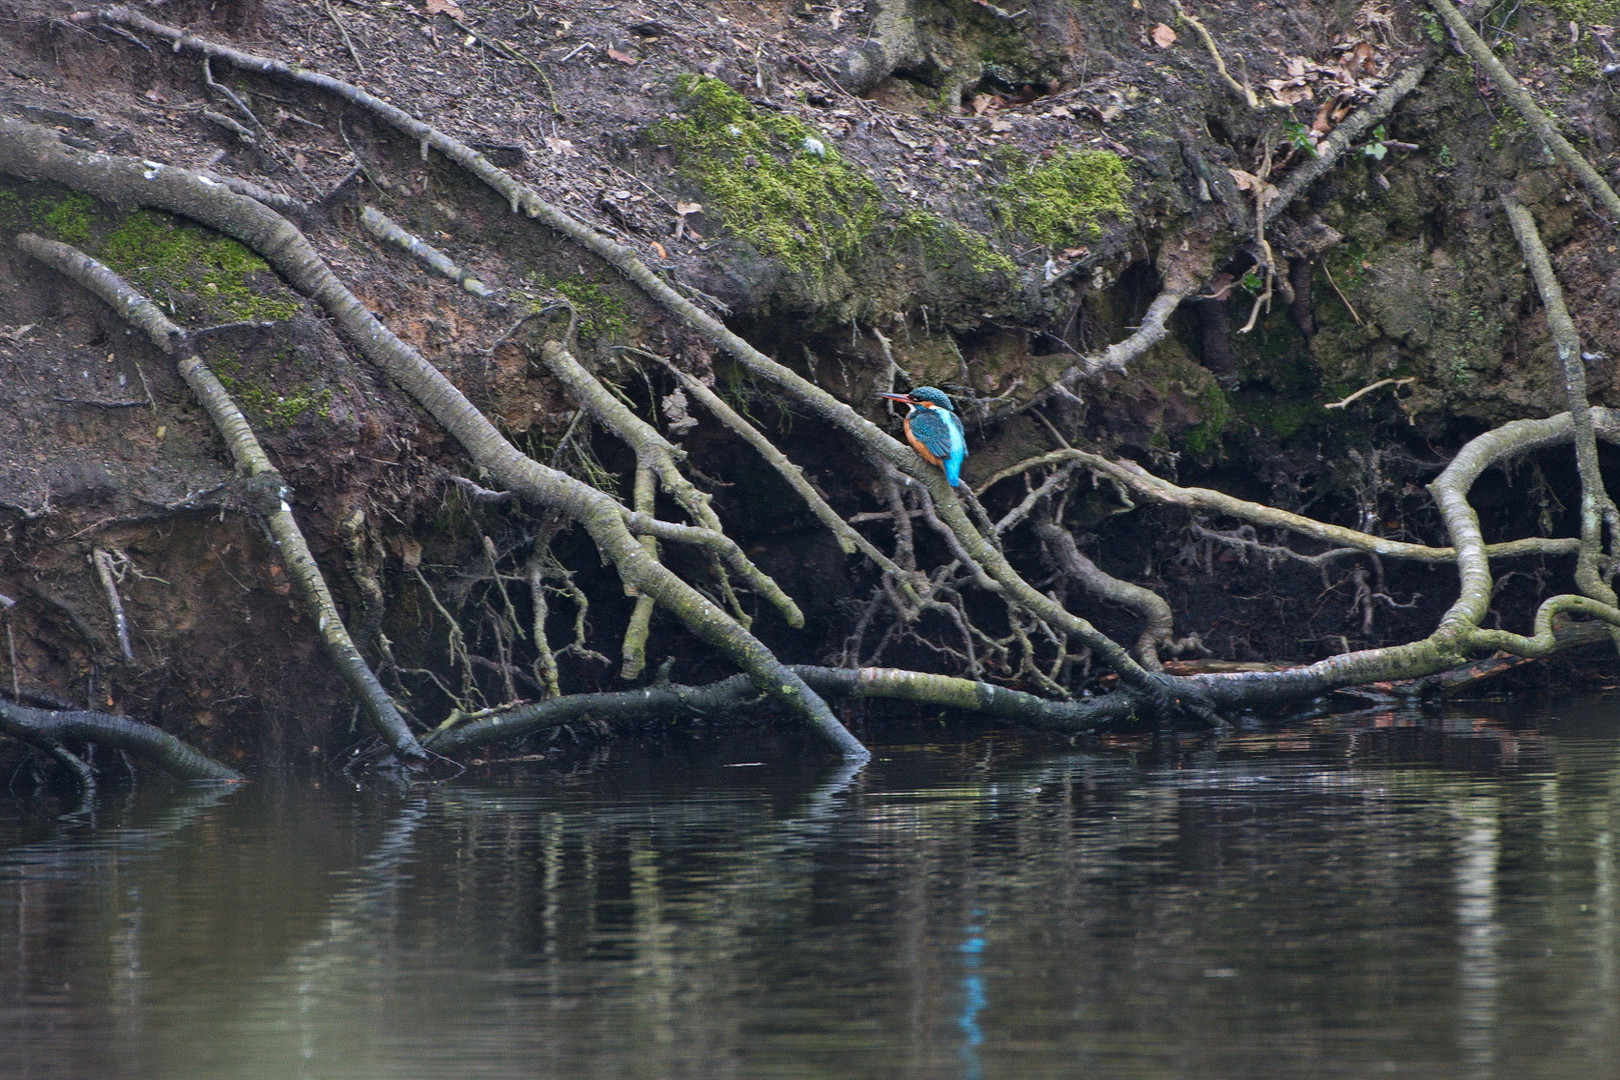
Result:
[1382,895]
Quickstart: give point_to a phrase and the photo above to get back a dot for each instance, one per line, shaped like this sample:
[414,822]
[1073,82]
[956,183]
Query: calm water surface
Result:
[1382,896]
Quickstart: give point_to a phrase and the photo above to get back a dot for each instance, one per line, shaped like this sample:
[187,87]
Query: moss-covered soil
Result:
[1007,193]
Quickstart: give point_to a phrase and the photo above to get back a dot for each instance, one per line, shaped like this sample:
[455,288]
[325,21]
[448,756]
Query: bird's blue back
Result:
[941,431]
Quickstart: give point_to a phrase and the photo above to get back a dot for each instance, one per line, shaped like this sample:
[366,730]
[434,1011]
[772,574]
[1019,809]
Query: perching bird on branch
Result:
[934,430]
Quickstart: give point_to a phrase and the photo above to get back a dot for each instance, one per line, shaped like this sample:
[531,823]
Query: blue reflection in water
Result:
[973,999]
[1394,913]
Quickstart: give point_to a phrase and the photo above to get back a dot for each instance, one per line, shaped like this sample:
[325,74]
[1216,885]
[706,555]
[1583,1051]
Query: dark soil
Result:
[101,447]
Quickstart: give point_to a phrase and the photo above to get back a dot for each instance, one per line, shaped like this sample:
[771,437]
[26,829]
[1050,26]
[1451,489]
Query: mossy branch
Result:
[670,700]
[29,150]
[1462,623]
[1130,475]
[53,728]
[1596,505]
[270,493]
[1525,105]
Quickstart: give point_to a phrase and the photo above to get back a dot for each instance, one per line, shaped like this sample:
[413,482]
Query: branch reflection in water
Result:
[1376,893]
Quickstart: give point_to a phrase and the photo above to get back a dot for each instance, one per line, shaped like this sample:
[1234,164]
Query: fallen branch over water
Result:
[55,729]
[671,700]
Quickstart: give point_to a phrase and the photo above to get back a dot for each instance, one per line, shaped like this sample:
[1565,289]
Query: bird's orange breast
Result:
[922,450]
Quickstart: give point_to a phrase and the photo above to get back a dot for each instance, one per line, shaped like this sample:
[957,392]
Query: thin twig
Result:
[348,43]
[1369,388]
[1242,89]
[103,562]
[1348,306]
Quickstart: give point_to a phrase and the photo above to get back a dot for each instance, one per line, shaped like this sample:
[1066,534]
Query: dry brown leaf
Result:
[409,551]
[1361,59]
[1322,123]
[561,147]
[1289,91]
[1264,190]
[1163,36]
[623,58]
[656,246]
[446,7]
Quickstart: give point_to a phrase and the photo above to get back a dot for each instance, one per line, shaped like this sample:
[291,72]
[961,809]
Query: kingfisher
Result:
[934,430]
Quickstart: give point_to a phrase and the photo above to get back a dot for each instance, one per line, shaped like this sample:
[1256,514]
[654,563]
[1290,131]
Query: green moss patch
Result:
[68,219]
[199,276]
[1063,200]
[1203,439]
[601,313]
[947,243]
[162,256]
[1586,11]
[263,404]
[773,180]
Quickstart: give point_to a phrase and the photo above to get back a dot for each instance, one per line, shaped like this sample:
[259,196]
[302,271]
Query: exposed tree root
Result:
[625,535]
[381,226]
[35,152]
[668,700]
[1343,137]
[1158,620]
[56,728]
[269,490]
[1525,105]
[1243,90]
[1182,277]
[848,538]
[1597,508]
[658,457]
[1133,477]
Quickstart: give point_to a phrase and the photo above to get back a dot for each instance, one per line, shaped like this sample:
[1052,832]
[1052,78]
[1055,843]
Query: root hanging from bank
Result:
[269,491]
[670,701]
[29,150]
[1597,508]
[54,730]
[1531,113]
[977,558]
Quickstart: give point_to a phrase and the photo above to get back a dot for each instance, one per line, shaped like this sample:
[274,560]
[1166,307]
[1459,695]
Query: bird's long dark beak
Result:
[907,398]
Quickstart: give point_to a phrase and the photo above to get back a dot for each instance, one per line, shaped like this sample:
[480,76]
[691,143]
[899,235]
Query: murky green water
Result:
[1389,897]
